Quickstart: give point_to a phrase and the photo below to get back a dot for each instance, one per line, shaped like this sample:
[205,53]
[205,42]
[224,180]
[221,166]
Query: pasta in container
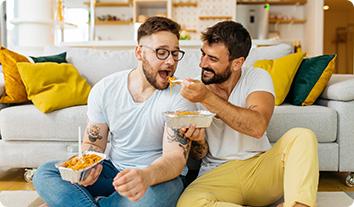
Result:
[180,119]
[75,169]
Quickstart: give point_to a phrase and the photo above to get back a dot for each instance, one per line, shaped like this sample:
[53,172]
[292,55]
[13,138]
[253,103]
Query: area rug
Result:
[31,199]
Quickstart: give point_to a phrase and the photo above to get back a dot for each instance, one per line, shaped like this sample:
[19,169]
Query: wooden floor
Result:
[329,181]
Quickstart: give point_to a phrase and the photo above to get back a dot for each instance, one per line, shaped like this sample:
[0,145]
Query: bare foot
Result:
[280,205]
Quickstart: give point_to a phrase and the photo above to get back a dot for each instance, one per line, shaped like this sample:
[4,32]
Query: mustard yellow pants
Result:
[289,169]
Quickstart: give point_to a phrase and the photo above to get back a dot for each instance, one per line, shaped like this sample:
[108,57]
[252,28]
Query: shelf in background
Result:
[120,22]
[185,4]
[286,21]
[273,2]
[214,17]
[189,30]
[110,4]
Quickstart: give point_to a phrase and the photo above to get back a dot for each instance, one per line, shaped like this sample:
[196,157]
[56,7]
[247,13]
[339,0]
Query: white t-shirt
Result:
[136,129]
[226,143]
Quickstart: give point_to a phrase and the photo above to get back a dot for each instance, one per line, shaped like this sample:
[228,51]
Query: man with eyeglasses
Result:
[146,157]
[241,168]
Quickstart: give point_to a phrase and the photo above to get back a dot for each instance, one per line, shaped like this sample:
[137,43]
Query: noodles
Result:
[76,163]
[170,79]
[186,113]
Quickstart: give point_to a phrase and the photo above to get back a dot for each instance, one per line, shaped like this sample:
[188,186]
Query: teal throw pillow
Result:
[311,79]
[59,58]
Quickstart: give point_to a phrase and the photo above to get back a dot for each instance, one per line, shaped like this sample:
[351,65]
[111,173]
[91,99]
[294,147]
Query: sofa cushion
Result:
[322,120]
[52,86]
[59,58]
[14,89]
[25,122]
[310,80]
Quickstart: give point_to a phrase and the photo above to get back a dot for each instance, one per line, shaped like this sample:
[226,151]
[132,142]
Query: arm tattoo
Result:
[94,133]
[183,142]
[94,148]
[198,151]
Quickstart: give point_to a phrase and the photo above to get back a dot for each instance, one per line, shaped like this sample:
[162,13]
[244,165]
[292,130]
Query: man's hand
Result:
[131,183]
[92,177]
[194,134]
[194,90]
[199,147]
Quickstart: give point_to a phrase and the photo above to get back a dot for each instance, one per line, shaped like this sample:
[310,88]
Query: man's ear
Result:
[237,63]
[138,53]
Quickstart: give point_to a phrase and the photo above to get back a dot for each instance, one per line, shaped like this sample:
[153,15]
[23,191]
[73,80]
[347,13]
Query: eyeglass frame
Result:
[169,52]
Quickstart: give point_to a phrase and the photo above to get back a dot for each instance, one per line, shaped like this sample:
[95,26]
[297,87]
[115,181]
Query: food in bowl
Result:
[75,169]
[79,163]
[181,119]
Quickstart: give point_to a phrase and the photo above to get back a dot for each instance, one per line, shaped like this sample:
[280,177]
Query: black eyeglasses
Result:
[163,54]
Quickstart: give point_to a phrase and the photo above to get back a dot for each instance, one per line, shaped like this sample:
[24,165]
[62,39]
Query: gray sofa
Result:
[30,137]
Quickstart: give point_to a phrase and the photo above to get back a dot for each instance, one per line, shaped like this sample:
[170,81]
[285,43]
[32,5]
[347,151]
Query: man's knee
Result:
[43,171]
[195,199]
[304,135]
[164,194]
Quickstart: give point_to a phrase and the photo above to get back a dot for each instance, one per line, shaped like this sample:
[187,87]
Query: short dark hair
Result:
[233,35]
[156,24]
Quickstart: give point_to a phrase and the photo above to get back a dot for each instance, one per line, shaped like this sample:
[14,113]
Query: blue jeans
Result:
[58,193]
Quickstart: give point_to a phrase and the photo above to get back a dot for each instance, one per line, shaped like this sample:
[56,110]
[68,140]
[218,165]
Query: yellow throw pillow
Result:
[52,86]
[283,71]
[15,91]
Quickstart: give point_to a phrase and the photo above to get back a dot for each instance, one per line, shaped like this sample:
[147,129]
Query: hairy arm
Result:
[95,137]
[252,120]
[174,157]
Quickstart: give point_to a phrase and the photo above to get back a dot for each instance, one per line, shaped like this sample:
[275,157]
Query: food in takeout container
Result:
[180,119]
[75,169]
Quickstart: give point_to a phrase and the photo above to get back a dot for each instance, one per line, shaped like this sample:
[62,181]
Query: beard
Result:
[151,77]
[217,78]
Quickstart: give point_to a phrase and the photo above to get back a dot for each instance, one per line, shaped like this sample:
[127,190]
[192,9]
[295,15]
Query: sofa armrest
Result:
[345,131]
[340,88]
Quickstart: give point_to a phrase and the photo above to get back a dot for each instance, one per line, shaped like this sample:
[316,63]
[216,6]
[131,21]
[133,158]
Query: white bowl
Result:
[76,176]
[202,119]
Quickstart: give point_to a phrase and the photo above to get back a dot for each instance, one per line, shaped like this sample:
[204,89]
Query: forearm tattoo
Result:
[93,133]
[94,148]
[198,151]
[183,142]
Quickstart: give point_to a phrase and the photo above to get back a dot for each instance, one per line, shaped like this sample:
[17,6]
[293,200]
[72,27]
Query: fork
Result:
[177,81]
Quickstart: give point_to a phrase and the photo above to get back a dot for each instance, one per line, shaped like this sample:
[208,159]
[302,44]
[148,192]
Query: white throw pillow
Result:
[267,53]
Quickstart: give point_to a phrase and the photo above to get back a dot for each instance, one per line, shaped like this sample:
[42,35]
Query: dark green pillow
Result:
[311,79]
[59,58]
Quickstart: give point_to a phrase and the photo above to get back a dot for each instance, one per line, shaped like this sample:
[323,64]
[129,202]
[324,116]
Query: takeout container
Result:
[201,119]
[76,176]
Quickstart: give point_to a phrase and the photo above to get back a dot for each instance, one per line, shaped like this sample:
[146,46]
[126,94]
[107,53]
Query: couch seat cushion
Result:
[26,122]
[322,120]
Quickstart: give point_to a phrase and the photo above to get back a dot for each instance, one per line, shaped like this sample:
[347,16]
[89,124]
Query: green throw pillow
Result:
[311,79]
[59,58]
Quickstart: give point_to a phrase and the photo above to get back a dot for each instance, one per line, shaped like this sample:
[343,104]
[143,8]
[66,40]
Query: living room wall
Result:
[339,35]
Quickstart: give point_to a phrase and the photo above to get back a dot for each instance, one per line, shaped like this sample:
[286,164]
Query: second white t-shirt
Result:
[226,143]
